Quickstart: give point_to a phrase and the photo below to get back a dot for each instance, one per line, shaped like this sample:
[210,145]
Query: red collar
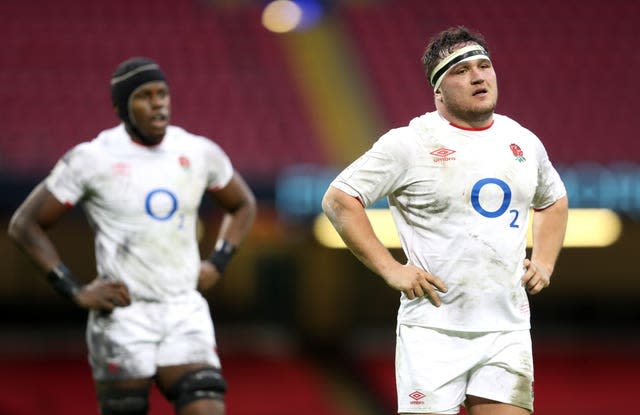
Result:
[472,129]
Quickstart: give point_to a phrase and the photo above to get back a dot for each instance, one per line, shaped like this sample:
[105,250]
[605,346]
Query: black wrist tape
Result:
[222,254]
[62,280]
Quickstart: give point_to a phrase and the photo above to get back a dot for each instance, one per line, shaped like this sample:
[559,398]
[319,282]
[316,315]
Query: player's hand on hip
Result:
[102,294]
[209,276]
[415,282]
[536,277]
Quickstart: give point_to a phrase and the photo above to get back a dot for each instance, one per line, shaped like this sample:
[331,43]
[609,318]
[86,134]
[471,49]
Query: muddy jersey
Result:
[461,201]
[142,203]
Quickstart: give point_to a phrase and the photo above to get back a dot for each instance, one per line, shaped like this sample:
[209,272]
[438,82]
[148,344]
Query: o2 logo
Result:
[161,204]
[506,200]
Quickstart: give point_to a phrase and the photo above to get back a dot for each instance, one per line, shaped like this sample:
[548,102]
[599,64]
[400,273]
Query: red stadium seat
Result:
[228,76]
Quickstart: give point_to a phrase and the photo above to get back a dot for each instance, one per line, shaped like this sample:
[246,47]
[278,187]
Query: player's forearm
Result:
[549,226]
[349,219]
[239,204]
[33,241]
[236,225]
[29,223]
[37,246]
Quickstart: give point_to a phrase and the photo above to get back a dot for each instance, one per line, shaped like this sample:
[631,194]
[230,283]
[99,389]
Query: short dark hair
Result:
[443,44]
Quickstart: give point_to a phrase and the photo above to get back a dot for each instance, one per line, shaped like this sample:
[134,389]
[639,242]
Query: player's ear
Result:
[115,109]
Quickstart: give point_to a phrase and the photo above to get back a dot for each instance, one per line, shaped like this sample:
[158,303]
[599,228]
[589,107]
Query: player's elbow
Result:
[329,201]
[18,226]
[251,206]
[336,204]
[249,202]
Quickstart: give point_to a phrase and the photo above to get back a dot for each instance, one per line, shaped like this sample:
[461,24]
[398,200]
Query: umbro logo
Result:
[442,154]
[416,395]
[121,169]
[416,398]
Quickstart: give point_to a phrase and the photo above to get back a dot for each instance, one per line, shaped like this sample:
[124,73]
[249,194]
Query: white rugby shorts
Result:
[131,342]
[436,369]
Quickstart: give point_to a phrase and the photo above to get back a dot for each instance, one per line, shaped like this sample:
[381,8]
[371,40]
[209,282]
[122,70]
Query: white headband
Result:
[464,54]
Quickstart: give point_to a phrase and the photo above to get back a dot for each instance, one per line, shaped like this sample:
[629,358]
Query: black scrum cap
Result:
[127,77]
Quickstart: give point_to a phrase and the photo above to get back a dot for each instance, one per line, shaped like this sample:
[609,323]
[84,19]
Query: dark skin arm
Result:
[39,212]
[239,204]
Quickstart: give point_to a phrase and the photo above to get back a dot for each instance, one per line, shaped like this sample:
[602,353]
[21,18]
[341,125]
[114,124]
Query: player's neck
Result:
[145,141]
[476,124]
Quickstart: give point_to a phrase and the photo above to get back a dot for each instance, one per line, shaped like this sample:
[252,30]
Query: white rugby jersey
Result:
[142,203]
[460,200]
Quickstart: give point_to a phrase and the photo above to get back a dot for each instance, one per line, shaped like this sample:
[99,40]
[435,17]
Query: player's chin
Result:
[483,110]
[156,126]
[485,105]
[156,133]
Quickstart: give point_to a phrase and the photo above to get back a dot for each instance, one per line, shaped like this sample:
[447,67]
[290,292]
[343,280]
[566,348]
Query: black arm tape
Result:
[222,254]
[62,280]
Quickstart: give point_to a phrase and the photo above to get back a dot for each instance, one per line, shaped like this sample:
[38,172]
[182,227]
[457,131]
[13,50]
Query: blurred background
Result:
[293,91]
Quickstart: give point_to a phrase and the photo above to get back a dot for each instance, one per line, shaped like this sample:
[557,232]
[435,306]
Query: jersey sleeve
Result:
[377,173]
[219,167]
[550,186]
[67,180]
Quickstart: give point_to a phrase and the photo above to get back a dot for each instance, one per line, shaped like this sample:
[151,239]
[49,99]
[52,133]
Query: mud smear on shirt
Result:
[420,200]
[493,257]
[124,249]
